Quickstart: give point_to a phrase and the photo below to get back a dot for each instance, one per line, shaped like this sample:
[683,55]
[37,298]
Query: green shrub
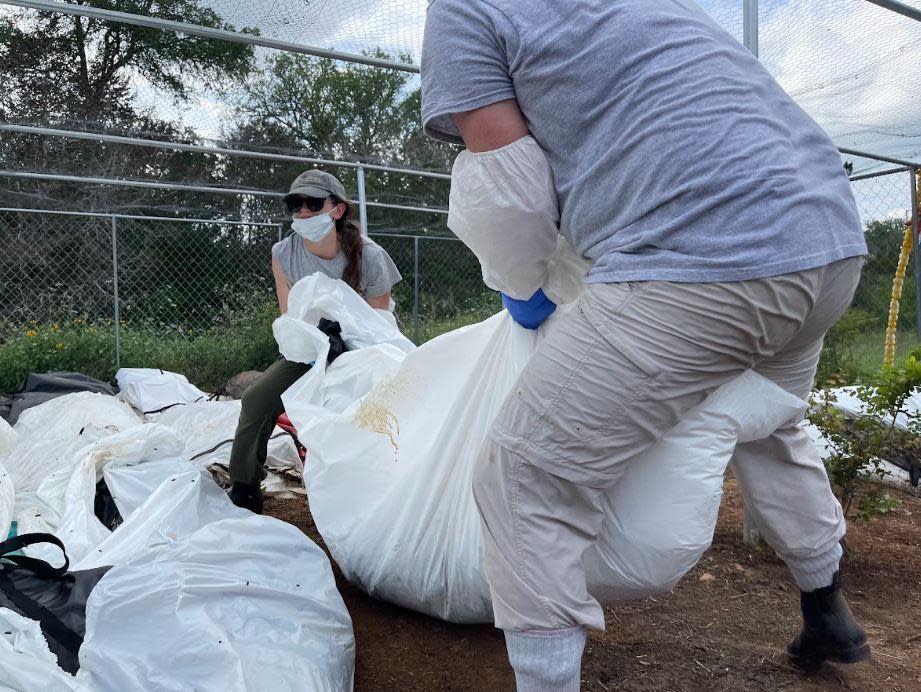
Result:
[858,445]
[207,357]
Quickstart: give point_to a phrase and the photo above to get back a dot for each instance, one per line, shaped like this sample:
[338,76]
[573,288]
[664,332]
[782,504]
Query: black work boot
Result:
[246,496]
[830,632]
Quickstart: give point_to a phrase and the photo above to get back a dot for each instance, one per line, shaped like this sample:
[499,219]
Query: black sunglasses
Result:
[295,204]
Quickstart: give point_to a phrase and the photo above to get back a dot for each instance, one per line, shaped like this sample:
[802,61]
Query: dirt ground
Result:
[724,627]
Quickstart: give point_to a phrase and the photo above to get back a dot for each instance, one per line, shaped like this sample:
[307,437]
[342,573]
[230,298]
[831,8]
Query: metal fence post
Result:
[362,202]
[281,232]
[916,227]
[416,290]
[750,25]
[118,335]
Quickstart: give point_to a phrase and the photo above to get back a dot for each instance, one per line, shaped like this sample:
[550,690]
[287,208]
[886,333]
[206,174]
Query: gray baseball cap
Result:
[317,183]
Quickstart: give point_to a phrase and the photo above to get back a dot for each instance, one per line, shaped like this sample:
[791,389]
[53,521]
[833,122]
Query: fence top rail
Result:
[222,151]
[153,185]
[900,8]
[293,158]
[221,222]
[138,217]
[407,236]
[877,157]
[208,32]
[880,174]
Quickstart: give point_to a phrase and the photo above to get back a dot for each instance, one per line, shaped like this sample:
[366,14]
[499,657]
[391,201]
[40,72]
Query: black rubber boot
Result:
[246,496]
[830,632]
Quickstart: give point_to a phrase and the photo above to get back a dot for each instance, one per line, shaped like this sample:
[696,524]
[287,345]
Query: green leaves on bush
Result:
[860,444]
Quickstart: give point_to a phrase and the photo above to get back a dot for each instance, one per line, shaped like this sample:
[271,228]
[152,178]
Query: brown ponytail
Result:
[352,245]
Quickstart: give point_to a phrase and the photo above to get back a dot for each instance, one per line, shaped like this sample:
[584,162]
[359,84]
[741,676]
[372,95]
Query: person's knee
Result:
[255,400]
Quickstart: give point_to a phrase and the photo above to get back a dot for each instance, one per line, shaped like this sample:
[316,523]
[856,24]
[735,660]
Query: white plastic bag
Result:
[659,518]
[150,390]
[26,662]
[73,500]
[50,435]
[318,296]
[202,594]
[7,492]
[245,603]
[389,476]
[7,437]
[207,429]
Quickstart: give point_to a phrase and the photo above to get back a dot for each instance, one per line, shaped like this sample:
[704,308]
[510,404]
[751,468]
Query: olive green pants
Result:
[261,408]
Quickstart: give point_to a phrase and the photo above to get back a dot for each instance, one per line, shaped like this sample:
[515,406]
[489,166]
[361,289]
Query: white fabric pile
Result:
[393,435]
[202,595]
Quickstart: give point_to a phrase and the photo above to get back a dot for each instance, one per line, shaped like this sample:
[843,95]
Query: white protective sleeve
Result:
[503,205]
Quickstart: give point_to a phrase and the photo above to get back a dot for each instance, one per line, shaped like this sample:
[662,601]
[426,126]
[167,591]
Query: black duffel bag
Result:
[51,595]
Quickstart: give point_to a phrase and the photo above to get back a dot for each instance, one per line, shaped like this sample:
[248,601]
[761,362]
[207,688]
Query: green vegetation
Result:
[858,445]
[208,357]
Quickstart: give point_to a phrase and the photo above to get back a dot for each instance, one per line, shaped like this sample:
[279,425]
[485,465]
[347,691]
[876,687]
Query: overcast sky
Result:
[852,65]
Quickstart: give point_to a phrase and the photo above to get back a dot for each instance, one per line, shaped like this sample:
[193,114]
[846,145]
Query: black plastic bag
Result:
[53,596]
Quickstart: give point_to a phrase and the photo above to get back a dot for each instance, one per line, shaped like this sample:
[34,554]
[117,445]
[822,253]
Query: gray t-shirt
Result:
[676,155]
[379,273]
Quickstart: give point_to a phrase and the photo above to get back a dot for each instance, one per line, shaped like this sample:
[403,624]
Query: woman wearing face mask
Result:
[325,240]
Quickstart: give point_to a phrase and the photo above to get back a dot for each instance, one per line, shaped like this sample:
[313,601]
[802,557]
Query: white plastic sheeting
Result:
[207,429]
[847,401]
[7,437]
[318,296]
[659,518]
[242,604]
[891,474]
[203,595]
[390,471]
[50,435]
[7,442]
[26,662]
[150,389]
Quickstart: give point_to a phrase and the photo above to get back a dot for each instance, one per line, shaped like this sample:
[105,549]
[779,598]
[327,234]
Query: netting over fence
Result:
[852,64]
[198,296]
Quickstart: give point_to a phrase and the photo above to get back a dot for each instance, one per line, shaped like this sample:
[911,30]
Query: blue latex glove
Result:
[532,312]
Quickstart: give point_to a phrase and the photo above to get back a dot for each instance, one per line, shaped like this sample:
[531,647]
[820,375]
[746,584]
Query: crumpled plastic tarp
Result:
[203,595]
[7,491]
[389,473]
[149,389]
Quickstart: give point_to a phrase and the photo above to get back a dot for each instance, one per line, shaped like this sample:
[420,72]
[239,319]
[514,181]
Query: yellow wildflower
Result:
[59,346]
[31,333]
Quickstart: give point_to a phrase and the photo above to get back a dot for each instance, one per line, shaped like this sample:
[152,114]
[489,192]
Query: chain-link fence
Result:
[91,292]
[885,205]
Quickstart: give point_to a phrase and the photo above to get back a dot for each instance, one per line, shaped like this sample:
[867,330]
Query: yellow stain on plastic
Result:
[375,416]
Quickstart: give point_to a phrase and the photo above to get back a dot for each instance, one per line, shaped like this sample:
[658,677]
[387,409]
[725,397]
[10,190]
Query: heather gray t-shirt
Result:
[379,273]
[676,156]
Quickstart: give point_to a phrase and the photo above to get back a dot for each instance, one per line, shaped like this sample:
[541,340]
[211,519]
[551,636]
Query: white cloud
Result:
[853,66]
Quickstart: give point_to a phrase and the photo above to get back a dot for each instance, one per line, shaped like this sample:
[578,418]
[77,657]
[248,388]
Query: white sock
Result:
[816,572]
[546,660]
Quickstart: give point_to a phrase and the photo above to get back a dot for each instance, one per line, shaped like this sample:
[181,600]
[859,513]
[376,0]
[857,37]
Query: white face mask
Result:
[315,228]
